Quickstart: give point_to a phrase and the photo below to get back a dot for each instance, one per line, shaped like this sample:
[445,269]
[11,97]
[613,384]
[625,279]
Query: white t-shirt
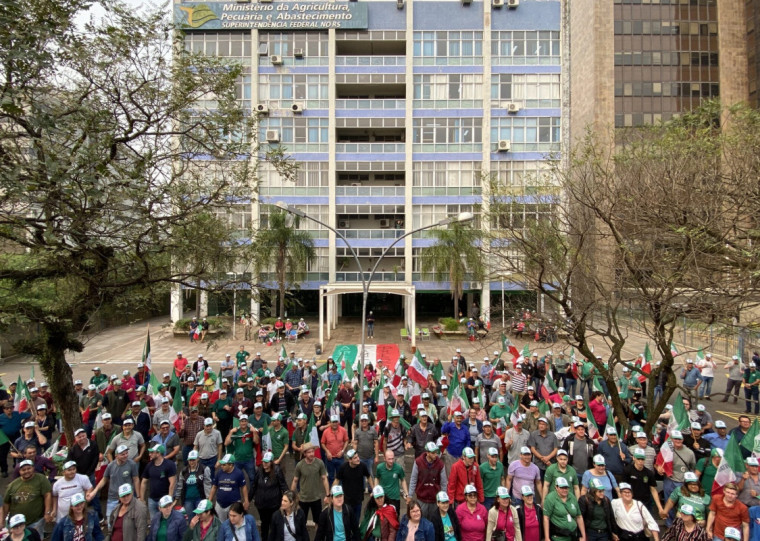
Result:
[706,367]
[64,490]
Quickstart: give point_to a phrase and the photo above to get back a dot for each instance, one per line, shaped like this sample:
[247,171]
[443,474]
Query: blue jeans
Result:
[370,463]
[356,513]
[248,467]
[211,464]
[570,384]
[668,487]
[706,388]
[751,394]
[332,468]
[95,503]
[370,330]
[186,451]
[595,536]
[110,506]
[190,506]
[587,383]
[657,392]
[488,502]
[39,526]
[152,507]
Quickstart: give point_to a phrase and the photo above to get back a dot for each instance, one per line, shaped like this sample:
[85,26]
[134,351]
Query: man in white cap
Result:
[106,433]
[718,439]
[735,378]
[351,476]
[544,445]
[90,404]
[515,438]
[334,441]
[422,432]
[311,475]
[459,438]
[229,486]
[29,495]
[120,471]
[706,368]
[208,443]
[464,472]
[168,437]
[161,475]
[130,438]
[133,513]
[64,488]
[683,461]
[691,378]
[180,362]
[523,473]
[616,454]
[116,400]
[694,441]
[427,479]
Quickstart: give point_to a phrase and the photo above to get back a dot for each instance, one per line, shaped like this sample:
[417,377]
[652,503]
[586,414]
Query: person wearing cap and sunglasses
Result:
[632,518]
[503,522]
[336,520]
[79,523]
[71,484]
[596,510]
[472,515]
[168,524]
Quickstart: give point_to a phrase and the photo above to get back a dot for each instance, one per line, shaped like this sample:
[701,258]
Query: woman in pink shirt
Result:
[472,516]
[597,408]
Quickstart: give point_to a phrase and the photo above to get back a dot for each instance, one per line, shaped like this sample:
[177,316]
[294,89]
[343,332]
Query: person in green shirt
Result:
[221,411]
[98,378]
[707,467]
[30,495]
[562,515]
[242,356]
[390,476]
[751,382]
[692,493]
[280,440]
[240,442]
[561,469]
[492,475]
[259,419]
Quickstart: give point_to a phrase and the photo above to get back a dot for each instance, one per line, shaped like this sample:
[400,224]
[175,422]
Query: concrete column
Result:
[176,302]
[321,317]
[413,320]
[732,42]
[204,303]
[255,309]
[329,317]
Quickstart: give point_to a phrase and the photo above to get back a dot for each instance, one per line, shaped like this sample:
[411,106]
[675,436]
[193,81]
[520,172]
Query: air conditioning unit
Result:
[298,107]
[298,53]
[466,2]
[399,4]
[276,60]
[343,224]
[504,145]
[385,224]
[512,107]
[273,136]
[498,3]
[262,108]
[513,3]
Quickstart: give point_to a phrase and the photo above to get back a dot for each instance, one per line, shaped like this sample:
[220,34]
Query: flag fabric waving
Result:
[665,458]
[23,399]
[731,466]
[751,441]
[417,371]
[593,430]
[679,418]
[146,358]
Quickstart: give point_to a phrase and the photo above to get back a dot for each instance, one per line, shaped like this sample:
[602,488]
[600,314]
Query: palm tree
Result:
[286,249]
[453,257]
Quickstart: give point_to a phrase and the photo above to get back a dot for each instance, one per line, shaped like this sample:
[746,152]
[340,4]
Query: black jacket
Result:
[587,504]
[539,515]
[566,445]
[438,524]
[277,527]
[267,491]
[326,527]
[290,404]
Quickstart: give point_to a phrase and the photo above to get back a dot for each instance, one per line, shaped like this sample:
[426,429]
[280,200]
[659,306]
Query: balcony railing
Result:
[379,276]
[370,148]
[372,191]
[370,60]
[371,104]
[372,233]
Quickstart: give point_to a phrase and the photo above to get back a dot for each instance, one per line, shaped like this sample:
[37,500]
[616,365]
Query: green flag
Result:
[733,455]
[751,441]
[3,438]
[283,352]
[505,343]
[146,359]
[647,353]
[329,399]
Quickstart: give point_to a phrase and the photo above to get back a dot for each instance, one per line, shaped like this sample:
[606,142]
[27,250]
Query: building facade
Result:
[395,111]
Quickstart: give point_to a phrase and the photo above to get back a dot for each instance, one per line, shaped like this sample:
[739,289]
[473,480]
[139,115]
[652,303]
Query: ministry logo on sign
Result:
[199,15]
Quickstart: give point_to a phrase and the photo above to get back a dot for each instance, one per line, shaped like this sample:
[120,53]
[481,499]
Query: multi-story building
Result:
[394,111]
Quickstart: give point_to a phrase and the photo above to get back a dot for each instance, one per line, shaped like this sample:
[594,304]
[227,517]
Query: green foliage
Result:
[449,323]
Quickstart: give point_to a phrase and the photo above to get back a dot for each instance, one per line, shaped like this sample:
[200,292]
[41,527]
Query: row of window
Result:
[666,28]
[667,58]
[646,89]
[669,2]
[295,87]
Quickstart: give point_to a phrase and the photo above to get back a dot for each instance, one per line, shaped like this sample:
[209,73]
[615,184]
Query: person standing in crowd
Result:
[132,440]
[29,495]
[335,521]
[208,444]
[735,369]
[205,525]
[503,519]
[161,475]
[194,483]
[366,444]
[726,512]
[685,527]
[632,518]
[690,492]
[445,522]
[311,473]
[370,325]
[391,477]
[229,486]
[515,439]
[239,525]
[465,472]
[562,514]
[267,487]
[351,476]
[10,423]
[683,461]
[380,520]
[596,510]
[79,523]
[66,487]
[428,479]
[394,437]
[459,438]
[706,368]
[334,443]
[599,472]
[422,433]
[561,469]
[290,522]
[544,446]
[615,453]
[492,476]
[119,472]
[580,449]
[168,524]
[643,482]
[129,519]
[472,516]
[523,473]
[85,453]
[531,516]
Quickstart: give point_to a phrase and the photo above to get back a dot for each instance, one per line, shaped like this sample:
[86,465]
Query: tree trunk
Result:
[58,373]
[456,307]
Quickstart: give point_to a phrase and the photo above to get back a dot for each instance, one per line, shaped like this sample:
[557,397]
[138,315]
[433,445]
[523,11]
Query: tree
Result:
[121,155]
[659,217]
[455,257]
[283,247]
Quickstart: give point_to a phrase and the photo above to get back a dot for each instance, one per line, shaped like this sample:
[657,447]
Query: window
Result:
[530,90]
[513,47]
[458,133]
[446,178]
[298,134]
[283,44]
[527,133]
[312,89]
[438,90]
[452,48]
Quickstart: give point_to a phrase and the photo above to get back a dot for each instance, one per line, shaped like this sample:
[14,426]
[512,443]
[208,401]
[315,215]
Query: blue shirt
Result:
[459,438]
[716,441]
[608,480]
[340,532]
[691,377]
[12,425]
[754,523]
[229,487]
[611,454]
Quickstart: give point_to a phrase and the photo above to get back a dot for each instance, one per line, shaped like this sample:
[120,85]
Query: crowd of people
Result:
[301,447]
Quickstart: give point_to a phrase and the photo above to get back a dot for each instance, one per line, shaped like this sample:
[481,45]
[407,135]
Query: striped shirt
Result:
[519,382]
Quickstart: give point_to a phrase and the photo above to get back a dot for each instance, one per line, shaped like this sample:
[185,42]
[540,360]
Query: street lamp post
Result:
[460,218]
[234,305]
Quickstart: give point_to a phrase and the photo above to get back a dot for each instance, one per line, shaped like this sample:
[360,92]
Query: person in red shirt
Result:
[597,408]
[142,377]
[727,511]
[464,472]
[128,385]
[472,515]
[334,441]
[179,364]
